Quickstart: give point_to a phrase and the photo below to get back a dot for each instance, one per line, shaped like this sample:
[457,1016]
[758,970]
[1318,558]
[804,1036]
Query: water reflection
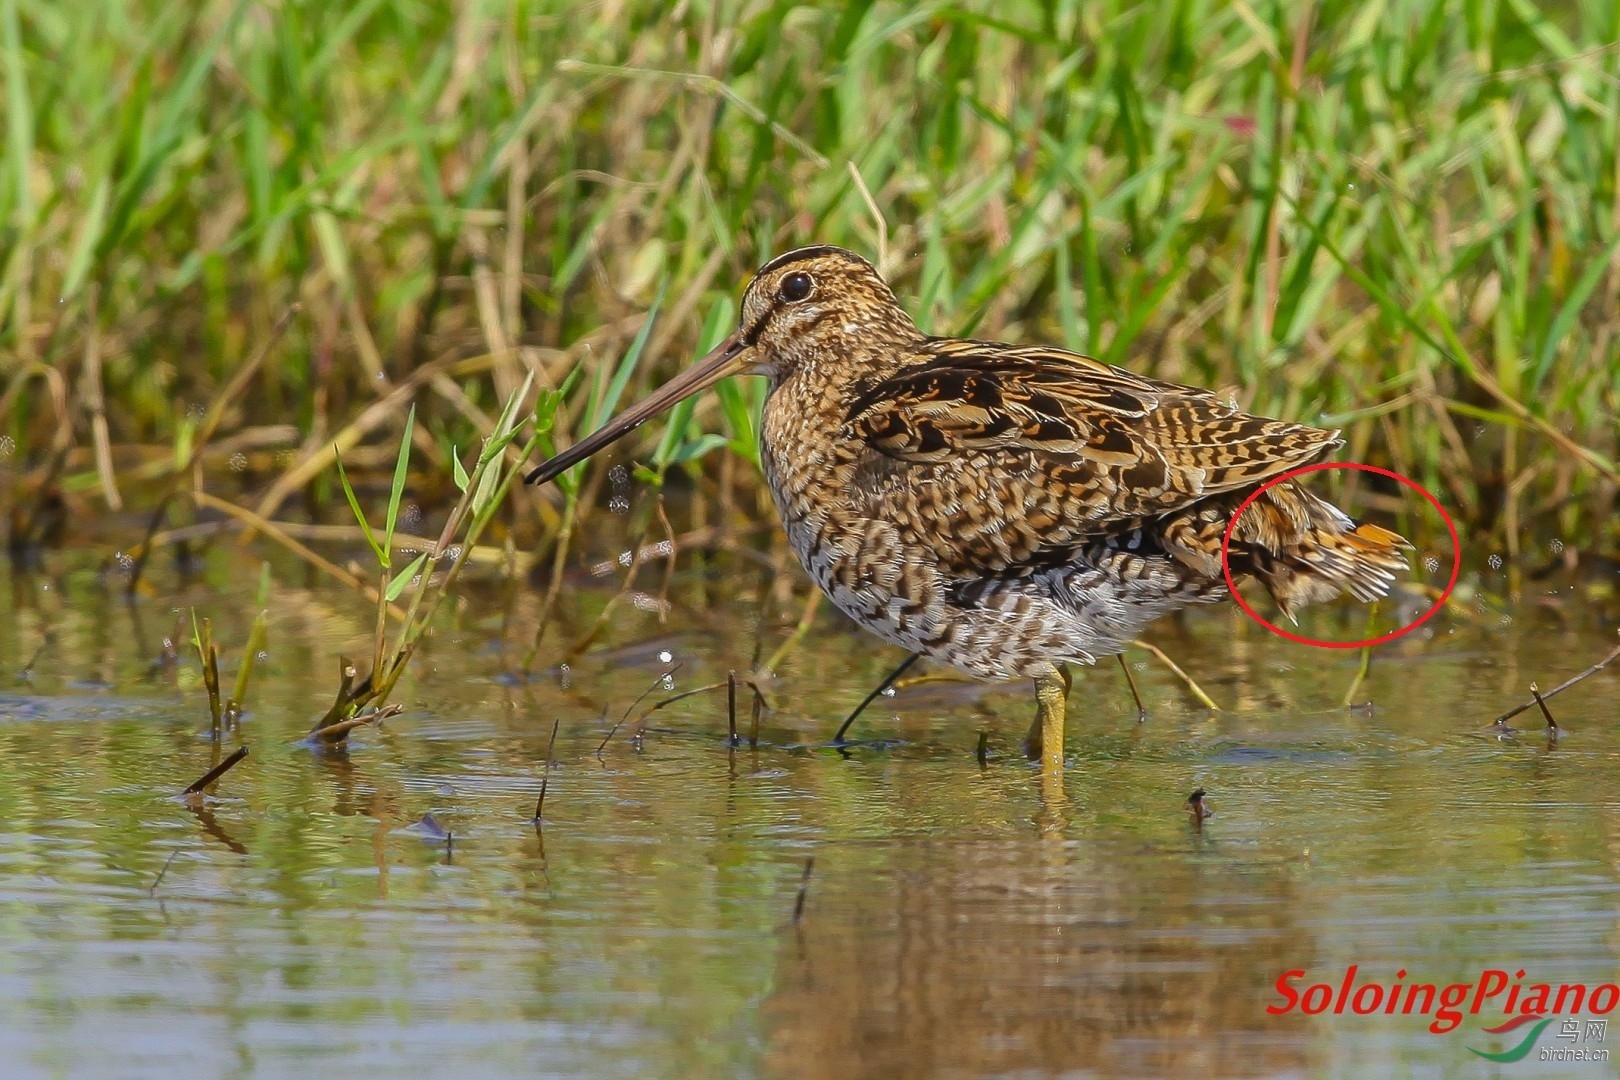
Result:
[963,919]
[979,959]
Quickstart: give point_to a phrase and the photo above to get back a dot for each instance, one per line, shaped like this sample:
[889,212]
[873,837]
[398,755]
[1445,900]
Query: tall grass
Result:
[1398,217]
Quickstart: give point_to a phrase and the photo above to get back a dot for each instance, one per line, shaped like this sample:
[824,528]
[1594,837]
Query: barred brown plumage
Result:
[1009,509]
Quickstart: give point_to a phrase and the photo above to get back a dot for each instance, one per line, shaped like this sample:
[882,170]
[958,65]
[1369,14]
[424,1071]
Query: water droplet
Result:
[7,445]
[665,657]
[1431,564]
[888,691]
[619,477]
[238,462]
[1495,562]
[668,681]
[1556,547]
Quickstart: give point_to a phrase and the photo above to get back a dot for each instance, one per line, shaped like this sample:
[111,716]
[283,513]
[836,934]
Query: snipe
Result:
[1008,509]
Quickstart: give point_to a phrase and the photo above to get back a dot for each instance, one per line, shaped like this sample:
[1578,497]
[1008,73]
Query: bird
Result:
[1009,510]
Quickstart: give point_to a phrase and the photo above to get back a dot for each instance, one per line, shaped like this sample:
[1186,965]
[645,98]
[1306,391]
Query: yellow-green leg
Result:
[1045,739]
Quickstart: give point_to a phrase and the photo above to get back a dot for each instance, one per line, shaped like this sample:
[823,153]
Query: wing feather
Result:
[989,437]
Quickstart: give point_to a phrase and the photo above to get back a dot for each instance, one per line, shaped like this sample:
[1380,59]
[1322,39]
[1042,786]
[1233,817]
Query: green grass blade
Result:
[250,656]
[397,488]
[84,248]
[1570,312]
[167,132]
[359,514]
[402,580]
[19,117]
[627,367]
[459,470]
[672,446]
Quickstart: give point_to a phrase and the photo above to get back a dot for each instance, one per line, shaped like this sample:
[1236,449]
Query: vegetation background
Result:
[237,235]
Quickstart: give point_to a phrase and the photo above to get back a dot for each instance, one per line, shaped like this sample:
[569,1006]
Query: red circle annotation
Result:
[1231,585]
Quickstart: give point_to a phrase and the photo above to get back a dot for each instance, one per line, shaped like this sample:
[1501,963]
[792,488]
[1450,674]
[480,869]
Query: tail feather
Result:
[1330,555]
[1301,548]
[1324,563]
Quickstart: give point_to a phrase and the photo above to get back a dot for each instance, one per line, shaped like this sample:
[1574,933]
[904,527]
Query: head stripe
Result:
[816,252]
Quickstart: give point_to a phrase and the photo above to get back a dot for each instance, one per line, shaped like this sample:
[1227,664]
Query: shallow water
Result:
[960,919]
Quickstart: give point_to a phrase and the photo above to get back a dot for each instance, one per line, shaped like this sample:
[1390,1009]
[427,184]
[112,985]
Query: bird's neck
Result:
[830,377]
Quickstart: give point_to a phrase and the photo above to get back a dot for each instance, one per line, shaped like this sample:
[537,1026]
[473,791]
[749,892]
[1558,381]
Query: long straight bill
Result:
[727,358]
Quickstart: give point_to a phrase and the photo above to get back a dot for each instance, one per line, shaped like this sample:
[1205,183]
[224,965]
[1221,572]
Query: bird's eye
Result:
[796,287]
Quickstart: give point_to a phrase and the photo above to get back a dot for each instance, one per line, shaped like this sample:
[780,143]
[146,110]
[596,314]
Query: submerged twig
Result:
[1560,688]
[731,708]
[431,828]
[27,673]
[545,775]
[210,825]
[888,681]
[642,697]
[344,716]
[641,721]
[345,695]
[152,889]
[215,773]
[753,722]
[1197,809]
[1552,725]
[339,732]
[983,752]
[804,890]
